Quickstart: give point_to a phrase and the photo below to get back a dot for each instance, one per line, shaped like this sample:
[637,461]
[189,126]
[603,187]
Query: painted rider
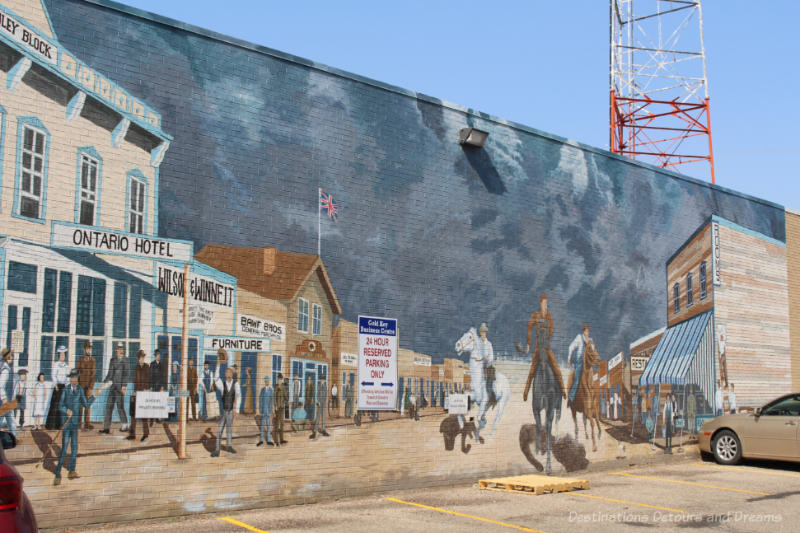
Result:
[577,349]
[482,356]
[543,321]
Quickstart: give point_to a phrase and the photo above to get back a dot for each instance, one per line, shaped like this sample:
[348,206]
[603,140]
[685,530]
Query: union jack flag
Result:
[327,204]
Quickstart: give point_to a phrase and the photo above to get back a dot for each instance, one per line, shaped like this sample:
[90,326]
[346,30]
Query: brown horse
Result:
[586,399]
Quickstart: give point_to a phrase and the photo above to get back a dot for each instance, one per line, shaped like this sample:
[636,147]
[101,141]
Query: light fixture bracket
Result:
[472,137]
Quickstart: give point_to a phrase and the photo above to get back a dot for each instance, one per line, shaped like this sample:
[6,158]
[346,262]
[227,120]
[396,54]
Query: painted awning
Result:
[676,351]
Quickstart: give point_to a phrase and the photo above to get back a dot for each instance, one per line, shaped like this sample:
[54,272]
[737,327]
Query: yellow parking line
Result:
[243,525]
[748,469]
[447,511]
[626,502]
[692,483]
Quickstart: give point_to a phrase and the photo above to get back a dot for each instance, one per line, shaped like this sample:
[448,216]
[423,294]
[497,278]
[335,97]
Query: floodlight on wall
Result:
[472,137]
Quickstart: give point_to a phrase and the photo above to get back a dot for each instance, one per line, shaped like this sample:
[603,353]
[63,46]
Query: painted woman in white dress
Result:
[60,380]
[39,401]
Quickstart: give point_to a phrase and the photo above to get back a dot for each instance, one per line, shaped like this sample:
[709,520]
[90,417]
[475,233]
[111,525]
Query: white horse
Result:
[501,389]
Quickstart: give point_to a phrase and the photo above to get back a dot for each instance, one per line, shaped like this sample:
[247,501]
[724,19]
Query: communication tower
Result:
[659,90]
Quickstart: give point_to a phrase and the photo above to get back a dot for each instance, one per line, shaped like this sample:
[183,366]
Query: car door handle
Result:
[792,423]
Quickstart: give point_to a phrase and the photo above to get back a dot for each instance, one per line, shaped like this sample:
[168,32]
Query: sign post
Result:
[182,402]
[377,363]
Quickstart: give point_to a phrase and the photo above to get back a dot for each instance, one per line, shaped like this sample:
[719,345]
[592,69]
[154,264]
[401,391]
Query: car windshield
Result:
[788,406]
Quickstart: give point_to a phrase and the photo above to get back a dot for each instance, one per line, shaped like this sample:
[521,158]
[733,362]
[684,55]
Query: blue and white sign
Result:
[377,363]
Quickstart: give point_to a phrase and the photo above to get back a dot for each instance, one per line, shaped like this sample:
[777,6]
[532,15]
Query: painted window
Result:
[32,164]
[316,324]
[689,292]
[120,324]
[47,349]
[89,183]
[703,280]
[676,298]
[136,206]
[21,277]
[14,323]
[277,362]
[49,295]
[91,306]
[64,301]
[135,314]
[302,315]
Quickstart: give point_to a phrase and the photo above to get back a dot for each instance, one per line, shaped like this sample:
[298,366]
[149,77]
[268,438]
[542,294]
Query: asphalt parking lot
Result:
[685,495]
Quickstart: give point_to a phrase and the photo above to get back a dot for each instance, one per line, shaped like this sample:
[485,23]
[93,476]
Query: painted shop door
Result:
[249,382]
[19,329]
[310,373]
[171,353]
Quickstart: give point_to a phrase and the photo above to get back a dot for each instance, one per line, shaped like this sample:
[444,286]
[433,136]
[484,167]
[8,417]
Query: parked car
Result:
[769,432]
[16,512]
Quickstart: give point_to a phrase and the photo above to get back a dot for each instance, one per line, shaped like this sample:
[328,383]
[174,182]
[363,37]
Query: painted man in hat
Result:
[542,320]
[575,359]
[118,370]
[157,375]
[70,404]
[322,403]
[482,356]
[230,399]
[205,390]
[6,381]
[141,383]
[191,385]
[281,399]
[175,388]
[266,405]
[20,394]
[86,366]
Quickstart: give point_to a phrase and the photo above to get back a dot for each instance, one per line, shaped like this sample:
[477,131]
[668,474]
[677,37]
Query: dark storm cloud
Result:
[436,237]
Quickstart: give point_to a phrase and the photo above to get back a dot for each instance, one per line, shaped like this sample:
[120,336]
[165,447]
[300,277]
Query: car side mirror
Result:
[757,412]
[8,440]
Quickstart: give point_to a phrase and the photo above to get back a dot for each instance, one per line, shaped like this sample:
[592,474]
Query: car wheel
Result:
[727,447]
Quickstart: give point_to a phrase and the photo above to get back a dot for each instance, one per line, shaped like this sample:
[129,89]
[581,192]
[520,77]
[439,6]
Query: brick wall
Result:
[793,274]
[235,141]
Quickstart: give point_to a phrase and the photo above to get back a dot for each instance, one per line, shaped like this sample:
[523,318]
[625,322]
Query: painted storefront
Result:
[493,260]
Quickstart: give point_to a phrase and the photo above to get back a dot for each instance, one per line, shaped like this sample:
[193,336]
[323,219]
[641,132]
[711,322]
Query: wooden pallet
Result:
[532,484]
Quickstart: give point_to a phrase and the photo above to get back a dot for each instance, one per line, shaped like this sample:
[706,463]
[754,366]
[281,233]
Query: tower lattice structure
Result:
[659,88]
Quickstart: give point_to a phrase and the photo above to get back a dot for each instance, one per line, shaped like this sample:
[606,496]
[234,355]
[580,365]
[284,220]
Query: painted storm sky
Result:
[438,236]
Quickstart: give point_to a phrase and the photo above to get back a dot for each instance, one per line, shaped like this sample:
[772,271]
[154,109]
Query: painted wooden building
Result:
[727,324]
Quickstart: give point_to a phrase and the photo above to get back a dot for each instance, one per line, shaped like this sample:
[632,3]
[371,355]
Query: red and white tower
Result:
[659,90]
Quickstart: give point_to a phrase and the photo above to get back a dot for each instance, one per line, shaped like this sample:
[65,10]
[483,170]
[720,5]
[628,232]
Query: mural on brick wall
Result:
[170,237]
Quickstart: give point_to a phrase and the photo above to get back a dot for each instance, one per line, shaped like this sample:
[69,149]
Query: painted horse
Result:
[547,397]
[586,399]
[479,394]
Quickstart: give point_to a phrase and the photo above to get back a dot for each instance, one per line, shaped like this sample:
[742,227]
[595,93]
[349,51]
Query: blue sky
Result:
[545,65]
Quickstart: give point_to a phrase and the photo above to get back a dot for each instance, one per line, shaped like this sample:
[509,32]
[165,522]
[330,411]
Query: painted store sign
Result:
[247,325]
[236,344]
[349,359]
[28,38]
[201,288]
[101,240]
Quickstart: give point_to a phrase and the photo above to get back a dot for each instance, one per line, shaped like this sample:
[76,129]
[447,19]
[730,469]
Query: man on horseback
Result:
[543,321]
[577,348]
[481,357]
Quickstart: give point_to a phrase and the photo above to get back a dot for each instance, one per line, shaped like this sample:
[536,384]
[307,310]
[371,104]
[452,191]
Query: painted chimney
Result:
[270,260]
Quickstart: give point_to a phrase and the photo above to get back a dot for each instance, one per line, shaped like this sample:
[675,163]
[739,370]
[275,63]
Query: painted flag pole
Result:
[319,221]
